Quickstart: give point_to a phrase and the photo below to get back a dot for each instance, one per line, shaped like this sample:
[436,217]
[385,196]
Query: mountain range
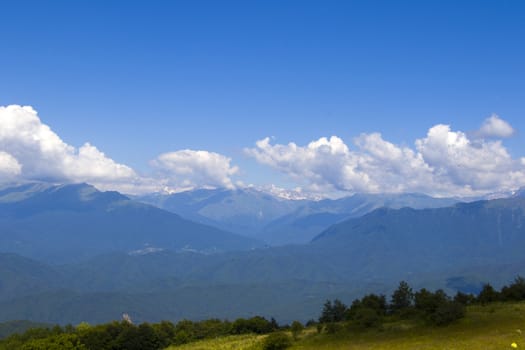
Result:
[173,273]
[61,223]
[276,220]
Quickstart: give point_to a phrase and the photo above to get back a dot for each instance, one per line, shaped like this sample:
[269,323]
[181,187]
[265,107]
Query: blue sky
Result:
[137,79]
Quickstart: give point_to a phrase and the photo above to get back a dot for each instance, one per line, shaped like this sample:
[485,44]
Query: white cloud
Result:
[9,166]
[468,165]
[188,169]
[34,152]
[495,127]
[30,150]
[445,162]
[323,165]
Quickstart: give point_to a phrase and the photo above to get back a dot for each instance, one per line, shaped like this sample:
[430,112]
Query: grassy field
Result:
[494,326]
[239,342]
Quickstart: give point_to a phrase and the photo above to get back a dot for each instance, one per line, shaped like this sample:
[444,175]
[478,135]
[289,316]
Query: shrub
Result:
[297,329]
[367,317]
[277,341]
[333,327]
[447,313]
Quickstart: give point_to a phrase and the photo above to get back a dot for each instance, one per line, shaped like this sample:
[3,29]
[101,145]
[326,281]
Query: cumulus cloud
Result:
[9,166]
[32,151]
[188,169]
[324,164]
[445,162]
[470,165]
[495,127]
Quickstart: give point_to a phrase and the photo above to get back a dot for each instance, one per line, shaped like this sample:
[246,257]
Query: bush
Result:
[256,324]
[333,327]
[297,329]
[277,341]
[367,317]
[447,313]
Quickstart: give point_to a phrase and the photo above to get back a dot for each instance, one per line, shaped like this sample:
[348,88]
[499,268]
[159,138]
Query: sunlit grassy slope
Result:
[494,326]
[248,342]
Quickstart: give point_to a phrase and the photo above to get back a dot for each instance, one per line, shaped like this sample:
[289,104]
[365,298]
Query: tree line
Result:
[123,335]
[436,308]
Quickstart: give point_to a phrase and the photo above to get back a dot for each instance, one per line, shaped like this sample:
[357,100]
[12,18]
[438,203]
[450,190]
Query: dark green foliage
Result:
[333,312]
[515,291]
[437,308]
[375,302]
[142,337]
[296,328]
[98,337]
[367,317]
[402,298]
[186,331]
[277,341]
[55,342]
[447,312]
[333,327]
[428,302]
[465,299]
[126,336]
[165,331]
[256,324]
[368,311]
[488,294]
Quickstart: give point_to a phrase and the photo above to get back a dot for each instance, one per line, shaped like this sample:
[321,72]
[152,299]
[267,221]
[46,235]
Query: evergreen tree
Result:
[514,292]
[488,294]
[402,298]
[333,312]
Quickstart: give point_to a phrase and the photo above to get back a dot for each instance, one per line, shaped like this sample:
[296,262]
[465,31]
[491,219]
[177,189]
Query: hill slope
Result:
[71,222]
[386,240]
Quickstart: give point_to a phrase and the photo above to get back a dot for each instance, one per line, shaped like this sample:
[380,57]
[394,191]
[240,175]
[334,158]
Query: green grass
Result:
[494,326]
[234,342]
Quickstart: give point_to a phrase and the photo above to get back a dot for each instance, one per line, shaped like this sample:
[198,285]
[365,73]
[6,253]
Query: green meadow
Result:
[494,326]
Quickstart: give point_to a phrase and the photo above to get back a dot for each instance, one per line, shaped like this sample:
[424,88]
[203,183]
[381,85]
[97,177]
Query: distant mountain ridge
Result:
[466,234]
[76,221]
[277,220]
